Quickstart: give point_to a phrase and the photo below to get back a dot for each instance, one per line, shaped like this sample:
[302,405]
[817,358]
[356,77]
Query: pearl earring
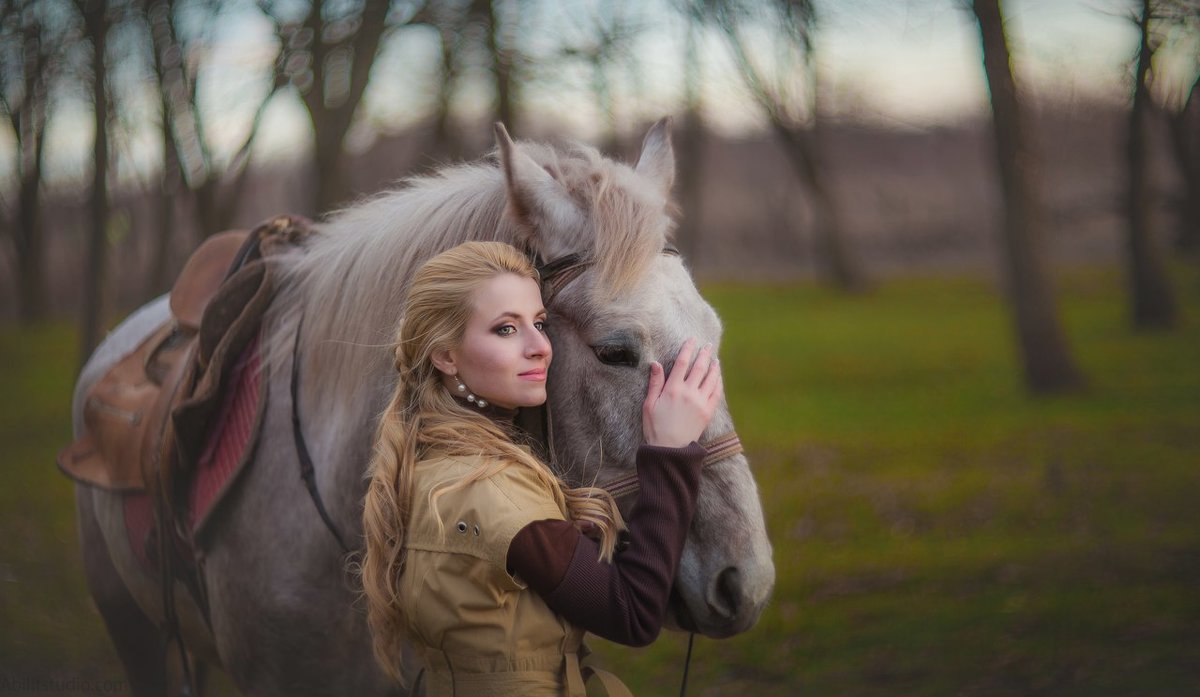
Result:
[477,401]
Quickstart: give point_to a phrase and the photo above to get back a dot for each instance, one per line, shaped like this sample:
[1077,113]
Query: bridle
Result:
[555,276]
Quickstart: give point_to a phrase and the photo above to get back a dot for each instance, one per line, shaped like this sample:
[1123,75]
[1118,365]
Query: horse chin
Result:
[678,618]
[681,619]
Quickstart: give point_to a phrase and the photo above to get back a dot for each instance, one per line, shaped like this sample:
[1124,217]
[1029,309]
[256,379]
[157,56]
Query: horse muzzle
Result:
[727,603]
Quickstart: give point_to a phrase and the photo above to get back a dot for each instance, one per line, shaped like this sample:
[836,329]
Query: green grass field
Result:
[936,530]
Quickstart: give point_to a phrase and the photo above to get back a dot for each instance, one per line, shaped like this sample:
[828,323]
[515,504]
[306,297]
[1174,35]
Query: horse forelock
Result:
[628,220]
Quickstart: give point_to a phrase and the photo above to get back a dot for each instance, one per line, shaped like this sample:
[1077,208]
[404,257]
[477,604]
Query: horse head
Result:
[625,304]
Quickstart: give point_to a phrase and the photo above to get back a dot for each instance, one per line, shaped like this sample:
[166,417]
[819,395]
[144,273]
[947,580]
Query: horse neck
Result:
[349,287]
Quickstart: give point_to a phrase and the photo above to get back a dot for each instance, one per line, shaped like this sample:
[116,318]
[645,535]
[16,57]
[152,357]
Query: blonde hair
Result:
[423,420]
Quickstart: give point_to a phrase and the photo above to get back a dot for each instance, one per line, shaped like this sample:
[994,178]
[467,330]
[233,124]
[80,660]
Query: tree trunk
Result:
[29,125]
[96,20]
[332,188]
[1185,135]
[1152,300]
[1047,362]
[498,48]
[445,138]
[610,140]
[331,121]
[840,264]
[690,153]
[835,257]
[31,282]
[168,188]
[30,243]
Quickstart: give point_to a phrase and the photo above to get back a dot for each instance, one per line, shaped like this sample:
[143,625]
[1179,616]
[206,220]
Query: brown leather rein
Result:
[557,275]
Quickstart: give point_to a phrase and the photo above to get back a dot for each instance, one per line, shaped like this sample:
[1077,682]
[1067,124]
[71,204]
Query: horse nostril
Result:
[724,593]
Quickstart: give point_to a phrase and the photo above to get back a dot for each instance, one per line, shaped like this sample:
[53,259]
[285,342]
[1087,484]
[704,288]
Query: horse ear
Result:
[535,197]
[657,161]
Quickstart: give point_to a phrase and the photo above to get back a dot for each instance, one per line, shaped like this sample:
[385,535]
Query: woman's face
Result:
[505,354]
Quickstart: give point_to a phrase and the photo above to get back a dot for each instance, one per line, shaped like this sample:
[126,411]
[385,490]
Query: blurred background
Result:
[955,245]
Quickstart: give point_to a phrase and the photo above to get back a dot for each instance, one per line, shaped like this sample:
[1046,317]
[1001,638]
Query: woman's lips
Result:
[533,375]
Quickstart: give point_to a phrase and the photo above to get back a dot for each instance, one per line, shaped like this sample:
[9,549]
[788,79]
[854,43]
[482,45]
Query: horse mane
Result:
[349,284]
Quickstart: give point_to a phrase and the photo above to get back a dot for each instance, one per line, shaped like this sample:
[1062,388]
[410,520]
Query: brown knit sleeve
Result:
[624,601]
[541,552]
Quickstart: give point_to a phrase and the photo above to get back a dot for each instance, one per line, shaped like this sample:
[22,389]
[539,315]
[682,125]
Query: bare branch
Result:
[366,46]
[241,159]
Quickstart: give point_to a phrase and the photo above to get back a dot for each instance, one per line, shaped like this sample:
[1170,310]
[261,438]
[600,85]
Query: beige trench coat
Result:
[480,630]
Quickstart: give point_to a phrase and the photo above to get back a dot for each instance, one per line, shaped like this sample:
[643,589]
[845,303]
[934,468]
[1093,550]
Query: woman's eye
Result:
[502,331]
[540,324]
[616,355]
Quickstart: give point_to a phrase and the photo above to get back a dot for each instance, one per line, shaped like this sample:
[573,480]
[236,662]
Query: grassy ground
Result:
[936,531]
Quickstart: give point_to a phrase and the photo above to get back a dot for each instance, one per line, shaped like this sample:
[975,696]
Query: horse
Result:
[284,616]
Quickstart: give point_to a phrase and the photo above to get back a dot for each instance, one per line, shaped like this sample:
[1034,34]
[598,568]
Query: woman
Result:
[474,550]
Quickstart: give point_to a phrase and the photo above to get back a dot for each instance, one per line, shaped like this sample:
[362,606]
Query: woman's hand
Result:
[678,408]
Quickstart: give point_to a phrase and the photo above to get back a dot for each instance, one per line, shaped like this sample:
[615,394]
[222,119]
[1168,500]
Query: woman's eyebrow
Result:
[511,313]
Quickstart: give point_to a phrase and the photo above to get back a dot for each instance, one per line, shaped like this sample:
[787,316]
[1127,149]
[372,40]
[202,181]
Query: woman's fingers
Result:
[679,406]
[683,361]
[718,391]
[700,366]
[709,383]
[655,388]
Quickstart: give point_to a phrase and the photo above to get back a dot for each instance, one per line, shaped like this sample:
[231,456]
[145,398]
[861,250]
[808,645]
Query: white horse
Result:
[284,617]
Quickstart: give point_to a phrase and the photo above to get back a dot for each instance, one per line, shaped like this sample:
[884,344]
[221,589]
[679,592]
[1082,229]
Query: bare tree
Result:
[784,87]
[603,38]
[451,20]
[215,186]
[97,20]
[1047,362]
[1178,24]
[1185,136]
[1152,300]
[500,25]
[32,37]
[171,173]
[328,56]
[690,141]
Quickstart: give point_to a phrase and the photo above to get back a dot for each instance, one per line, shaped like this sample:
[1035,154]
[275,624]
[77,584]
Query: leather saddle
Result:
[147,417]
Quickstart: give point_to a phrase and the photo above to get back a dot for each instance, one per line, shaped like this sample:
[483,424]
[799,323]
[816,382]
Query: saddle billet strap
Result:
[307,469]
[718,448]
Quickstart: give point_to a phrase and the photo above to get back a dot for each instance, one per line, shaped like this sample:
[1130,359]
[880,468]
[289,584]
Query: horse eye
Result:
[615,354]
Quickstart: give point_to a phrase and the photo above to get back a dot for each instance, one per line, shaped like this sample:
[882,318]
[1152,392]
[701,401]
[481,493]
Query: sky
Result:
[910,64]
[919,62]
[898,63]
[906,63]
